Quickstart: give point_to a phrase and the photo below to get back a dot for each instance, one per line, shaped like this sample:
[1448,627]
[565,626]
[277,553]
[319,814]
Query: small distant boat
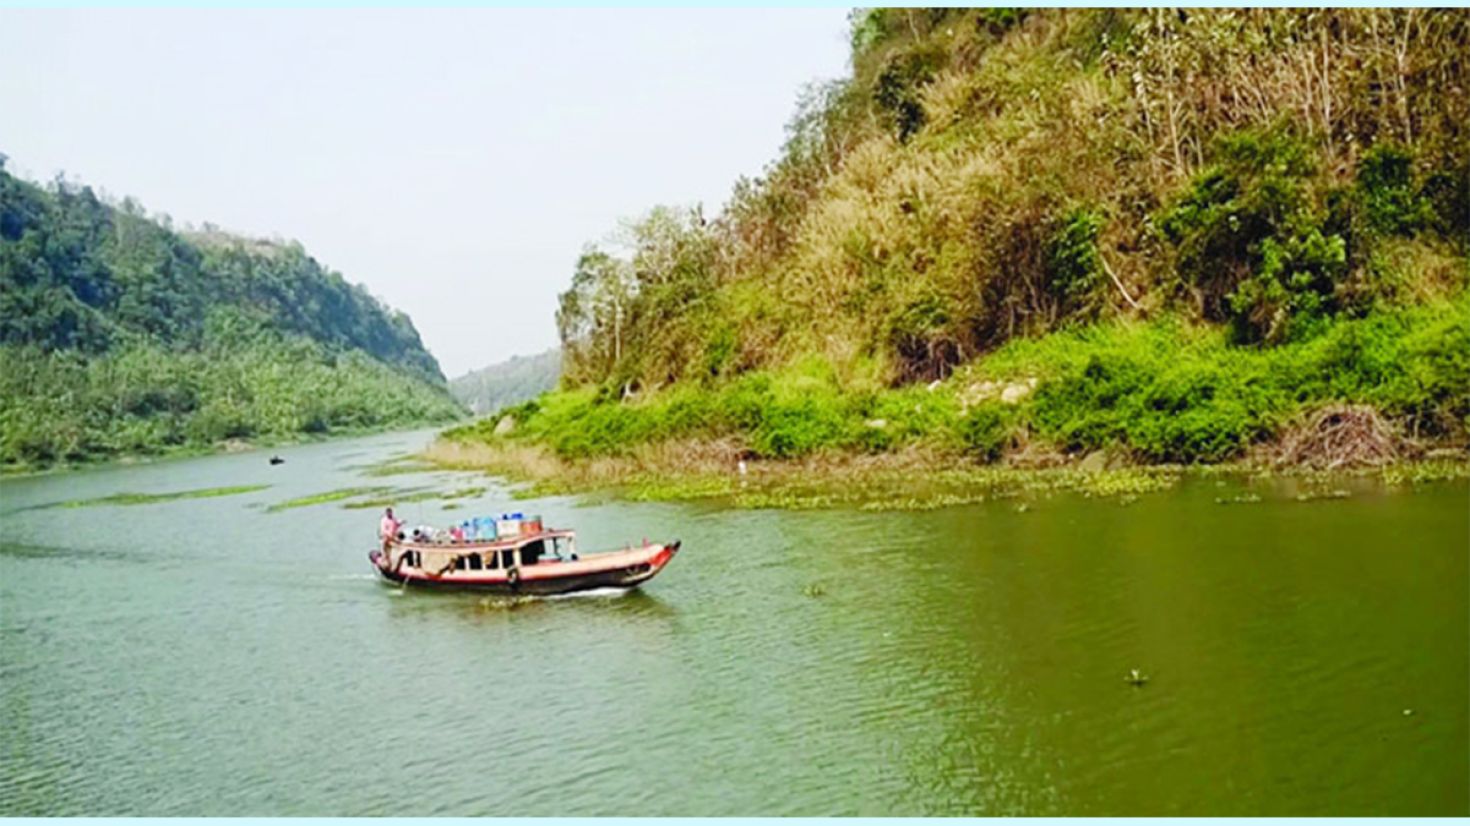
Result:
[537,562]
[276,460]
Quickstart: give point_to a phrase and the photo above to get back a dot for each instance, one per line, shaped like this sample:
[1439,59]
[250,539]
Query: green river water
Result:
[208,656]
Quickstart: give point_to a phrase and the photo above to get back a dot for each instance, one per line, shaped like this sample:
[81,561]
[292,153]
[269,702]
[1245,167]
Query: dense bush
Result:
[985,431]
[1072,259]
[1165,391]
[1172,393]
[1392,201]
[1252,238]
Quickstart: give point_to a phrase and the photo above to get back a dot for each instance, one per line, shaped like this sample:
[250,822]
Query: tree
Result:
[591,315]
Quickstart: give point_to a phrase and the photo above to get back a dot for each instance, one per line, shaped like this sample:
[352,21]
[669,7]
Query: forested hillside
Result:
[121,335]
[1169,234]
[509,382]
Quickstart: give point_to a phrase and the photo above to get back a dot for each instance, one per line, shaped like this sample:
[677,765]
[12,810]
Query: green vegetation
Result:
[357,498]
[119,335]
[406,496]
[509,382]
[327,496]
[395,466]
[155,498]
[1160,391]
[1035,236]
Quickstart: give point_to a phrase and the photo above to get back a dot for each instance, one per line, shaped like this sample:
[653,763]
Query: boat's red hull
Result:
[615,569]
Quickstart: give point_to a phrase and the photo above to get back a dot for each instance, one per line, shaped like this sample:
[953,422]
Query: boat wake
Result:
[513,600]
[593,593]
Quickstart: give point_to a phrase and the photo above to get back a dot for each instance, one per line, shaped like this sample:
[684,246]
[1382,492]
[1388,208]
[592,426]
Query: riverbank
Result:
[1121,406]
[911,480]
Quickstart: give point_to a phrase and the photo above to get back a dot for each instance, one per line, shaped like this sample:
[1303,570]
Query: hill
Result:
[510,382]
[120,335]
[1028,235]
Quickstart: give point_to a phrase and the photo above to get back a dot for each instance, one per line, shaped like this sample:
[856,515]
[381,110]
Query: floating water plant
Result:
[398,466]
[1240,499]
[396,497]
[1322,494]
[327,496]
[155,498]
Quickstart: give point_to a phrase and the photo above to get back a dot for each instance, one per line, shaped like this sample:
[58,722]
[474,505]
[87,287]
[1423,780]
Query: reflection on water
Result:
[207,656]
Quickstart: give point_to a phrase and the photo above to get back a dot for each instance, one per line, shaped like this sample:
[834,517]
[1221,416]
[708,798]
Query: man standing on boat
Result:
[388,529]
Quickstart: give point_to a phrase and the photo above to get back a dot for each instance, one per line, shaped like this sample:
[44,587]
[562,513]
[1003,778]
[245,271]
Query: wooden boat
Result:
[541,562]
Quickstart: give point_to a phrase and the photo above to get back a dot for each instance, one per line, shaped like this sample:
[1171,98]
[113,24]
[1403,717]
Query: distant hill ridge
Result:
[510,382]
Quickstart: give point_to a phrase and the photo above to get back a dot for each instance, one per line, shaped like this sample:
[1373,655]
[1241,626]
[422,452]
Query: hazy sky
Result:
[454,161]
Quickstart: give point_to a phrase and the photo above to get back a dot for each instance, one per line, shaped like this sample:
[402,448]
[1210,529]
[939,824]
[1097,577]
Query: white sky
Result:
[454,161]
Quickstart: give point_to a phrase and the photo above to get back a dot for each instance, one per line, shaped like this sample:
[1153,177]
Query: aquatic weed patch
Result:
[916,480]
[326,497]
[397,466]
[414,495]
[665,488]
[1240,499]
[1419,473]
[155,498]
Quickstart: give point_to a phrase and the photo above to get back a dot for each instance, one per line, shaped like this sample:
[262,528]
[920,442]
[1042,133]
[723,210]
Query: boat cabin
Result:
[499,555]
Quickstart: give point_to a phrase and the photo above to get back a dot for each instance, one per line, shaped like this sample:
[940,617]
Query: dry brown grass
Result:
[1341,436]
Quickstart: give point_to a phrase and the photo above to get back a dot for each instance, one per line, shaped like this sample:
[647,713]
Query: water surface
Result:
[207,657]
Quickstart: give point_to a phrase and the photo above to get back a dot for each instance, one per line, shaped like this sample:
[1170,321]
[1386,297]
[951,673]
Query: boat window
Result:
[474,561]
[492,560]
[531,552]
[508,558]
[461,563]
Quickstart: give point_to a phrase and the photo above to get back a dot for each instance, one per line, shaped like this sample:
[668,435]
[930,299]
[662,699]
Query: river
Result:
[211,657]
